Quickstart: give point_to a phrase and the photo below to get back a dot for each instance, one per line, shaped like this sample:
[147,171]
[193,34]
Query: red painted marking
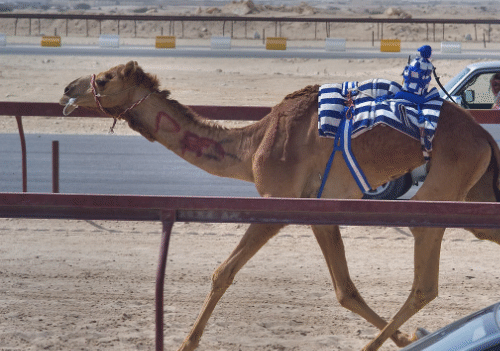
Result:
[194,143]
[170,125]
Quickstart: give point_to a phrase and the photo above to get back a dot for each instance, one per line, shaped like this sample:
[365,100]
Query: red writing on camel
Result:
[195,143]
[166,123]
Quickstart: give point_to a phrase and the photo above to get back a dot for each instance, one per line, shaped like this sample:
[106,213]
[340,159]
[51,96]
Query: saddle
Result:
[346,110]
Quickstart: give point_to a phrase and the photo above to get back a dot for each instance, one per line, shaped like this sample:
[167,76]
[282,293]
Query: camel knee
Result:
[349,297]
[421,297]
[222,279]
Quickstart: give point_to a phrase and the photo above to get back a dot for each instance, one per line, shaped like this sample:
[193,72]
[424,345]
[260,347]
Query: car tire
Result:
[391,190]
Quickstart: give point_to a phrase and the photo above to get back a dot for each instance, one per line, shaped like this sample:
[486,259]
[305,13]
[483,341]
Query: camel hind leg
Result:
[332,246]
[487,190]
[449,179]
[255,237]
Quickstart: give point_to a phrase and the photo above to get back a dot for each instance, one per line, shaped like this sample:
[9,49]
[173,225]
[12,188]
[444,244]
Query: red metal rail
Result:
[251,113]
[50,109]
[45,109]
[250,210]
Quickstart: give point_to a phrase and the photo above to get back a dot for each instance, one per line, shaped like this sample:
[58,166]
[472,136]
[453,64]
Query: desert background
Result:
[89,285]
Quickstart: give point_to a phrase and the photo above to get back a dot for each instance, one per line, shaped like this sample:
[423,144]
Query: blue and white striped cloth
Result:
[379,101]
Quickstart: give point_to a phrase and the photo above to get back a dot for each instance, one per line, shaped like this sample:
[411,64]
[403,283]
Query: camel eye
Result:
[101,82]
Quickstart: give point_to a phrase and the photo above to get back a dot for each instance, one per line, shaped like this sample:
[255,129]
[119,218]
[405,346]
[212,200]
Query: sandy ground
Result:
[89,285]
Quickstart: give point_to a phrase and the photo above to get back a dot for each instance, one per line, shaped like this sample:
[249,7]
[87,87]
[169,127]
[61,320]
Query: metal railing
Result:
[250,113]
[41,109]
[234,210]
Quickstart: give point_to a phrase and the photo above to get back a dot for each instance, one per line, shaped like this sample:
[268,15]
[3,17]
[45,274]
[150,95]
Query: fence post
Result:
[55,166]
[23,153]
[167,220]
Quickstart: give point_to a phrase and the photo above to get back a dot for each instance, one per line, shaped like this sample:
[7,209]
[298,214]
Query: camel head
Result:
[112,89]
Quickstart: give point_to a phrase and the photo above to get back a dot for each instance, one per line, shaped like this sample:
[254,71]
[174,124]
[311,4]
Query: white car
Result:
[479,331]
[470,89]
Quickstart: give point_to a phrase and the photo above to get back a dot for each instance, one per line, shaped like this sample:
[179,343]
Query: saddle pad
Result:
[374,102]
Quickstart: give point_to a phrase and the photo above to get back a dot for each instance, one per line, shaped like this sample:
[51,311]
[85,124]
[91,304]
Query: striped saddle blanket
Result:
[379,101]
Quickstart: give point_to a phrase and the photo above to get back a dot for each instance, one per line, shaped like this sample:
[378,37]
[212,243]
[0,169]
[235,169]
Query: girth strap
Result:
[342,143]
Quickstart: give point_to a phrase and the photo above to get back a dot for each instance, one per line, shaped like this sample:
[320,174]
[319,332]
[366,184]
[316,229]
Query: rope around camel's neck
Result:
[97,97]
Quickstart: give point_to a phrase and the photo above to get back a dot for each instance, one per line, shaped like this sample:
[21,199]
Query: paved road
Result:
[236,52]
[113,164]
[109,165]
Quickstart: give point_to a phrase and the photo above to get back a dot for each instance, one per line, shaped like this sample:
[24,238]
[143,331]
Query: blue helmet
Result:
[417,74]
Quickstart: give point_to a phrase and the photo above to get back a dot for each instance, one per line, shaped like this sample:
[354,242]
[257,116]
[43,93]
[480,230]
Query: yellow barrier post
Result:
[53,41]
[165,42]
[390,45]
[275,43]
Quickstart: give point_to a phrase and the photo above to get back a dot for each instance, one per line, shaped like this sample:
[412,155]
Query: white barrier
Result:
[109,40]
[3,40]
[220,43]
[334,44]
[451,47]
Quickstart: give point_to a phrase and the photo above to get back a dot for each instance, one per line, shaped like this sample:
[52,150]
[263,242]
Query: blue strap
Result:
[342,143]
[327,170]
[350,160]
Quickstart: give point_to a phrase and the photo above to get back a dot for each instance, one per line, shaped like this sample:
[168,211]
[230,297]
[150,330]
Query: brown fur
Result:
[284,156]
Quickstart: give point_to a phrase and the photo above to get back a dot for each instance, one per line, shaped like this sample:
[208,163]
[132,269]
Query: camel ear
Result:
[130,68]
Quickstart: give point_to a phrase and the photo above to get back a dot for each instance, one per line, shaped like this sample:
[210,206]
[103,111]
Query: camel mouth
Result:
[69,105]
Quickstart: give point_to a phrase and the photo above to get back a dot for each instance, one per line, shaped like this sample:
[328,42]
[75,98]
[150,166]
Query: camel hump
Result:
[311,90]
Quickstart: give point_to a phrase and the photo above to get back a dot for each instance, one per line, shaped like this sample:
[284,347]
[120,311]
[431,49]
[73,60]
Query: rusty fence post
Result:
[167,220]
[23,153]
[55,166]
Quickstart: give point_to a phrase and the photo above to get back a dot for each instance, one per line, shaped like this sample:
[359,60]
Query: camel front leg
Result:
[332,246]
[255,237]
[425,281]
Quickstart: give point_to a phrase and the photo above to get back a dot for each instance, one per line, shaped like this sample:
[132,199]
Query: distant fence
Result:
[277,21]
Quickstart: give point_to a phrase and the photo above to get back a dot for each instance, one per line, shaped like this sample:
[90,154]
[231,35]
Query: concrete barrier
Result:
[165,42]
[109,41]
[220,43]
[390,45]
[334,44]
[451,47]
[53,41]
[3,39]
[275,43]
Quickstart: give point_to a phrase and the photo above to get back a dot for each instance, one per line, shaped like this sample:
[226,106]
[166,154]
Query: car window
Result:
[449,86]
[479,91]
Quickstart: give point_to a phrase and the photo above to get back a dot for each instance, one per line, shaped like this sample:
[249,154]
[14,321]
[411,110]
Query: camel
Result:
[284,156]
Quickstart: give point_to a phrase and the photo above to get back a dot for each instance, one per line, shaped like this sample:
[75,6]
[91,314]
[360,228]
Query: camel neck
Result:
[204,143]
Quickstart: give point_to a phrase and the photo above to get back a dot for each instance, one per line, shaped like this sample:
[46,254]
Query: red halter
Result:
[98,102]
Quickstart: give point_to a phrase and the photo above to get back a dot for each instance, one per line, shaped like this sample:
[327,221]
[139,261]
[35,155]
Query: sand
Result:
[89,285]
